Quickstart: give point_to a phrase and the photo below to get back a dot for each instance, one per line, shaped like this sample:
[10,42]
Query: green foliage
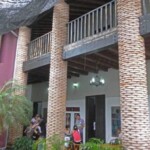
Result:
[56,142]
[97,144]
[15,109]
[40,144]
[23,143]
[92,144]
[110,147]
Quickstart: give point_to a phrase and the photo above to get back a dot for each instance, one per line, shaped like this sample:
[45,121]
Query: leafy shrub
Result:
[92,144]
[40,144]
[55,142]
[23,143]
[15,109]
[110,147]
[97,144]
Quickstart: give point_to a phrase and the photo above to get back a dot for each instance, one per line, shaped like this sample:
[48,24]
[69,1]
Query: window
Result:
[116,120]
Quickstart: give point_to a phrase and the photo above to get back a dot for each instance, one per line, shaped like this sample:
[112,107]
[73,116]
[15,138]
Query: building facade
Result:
[72,43]
[7,52]
[8,44]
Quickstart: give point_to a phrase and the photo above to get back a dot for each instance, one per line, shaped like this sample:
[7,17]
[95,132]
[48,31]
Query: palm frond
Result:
[14,106]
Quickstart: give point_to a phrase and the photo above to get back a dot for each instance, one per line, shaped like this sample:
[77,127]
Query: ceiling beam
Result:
[147,52]
[73,74]
[82,11]
[83,5]
[77,70]
[96,2]
[93,64]
[102,62]
[82,66]
[106,57]
[113,50]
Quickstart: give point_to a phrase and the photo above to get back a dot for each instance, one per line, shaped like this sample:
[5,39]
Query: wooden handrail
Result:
[39,46]
[94,22]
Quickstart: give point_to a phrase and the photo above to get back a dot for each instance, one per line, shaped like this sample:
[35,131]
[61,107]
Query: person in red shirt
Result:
[76,135]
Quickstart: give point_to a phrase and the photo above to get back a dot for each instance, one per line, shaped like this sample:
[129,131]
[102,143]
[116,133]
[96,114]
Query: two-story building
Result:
[74,48]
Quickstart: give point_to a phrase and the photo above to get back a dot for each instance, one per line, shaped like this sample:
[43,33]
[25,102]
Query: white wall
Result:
[40,92]
[76,97]
[110,89]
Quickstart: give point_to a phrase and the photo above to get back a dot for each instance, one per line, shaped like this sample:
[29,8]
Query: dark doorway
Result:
[35,108]
[95,117]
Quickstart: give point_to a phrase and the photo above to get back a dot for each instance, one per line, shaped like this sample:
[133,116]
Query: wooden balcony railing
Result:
[96,21]
[39,46]
[146,7]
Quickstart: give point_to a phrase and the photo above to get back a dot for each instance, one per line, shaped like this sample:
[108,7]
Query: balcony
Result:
[92,32]
[38,52]
[39,46]
[95,22]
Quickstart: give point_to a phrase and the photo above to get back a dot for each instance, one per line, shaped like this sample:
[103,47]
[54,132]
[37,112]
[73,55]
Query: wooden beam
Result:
[82,11]
[96,2]
[82,66]
[73,74]
[106,57]
[113,50]
[92,64]
[102,62]
[147,54]
[83,5]
[77,70]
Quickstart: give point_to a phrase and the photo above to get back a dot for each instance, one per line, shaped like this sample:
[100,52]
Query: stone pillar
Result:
[58,72]
[19,75]
[133,81]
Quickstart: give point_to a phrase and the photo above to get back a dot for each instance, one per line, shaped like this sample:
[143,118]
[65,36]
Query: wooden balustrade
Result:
[39,46]
[146,7]
[96,21]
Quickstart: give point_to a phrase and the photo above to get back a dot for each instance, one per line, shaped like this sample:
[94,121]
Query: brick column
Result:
[133,81]
[58,71]
[19,75]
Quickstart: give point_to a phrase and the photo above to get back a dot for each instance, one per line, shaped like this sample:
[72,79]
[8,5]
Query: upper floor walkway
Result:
[92,32]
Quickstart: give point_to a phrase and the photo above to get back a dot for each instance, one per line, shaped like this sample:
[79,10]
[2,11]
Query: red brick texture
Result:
[58,71]
[133,81]
[19,75]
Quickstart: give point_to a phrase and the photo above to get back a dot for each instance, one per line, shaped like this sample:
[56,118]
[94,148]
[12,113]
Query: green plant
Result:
[15,109]
[110,147]
[23,143]
[40,144]
[92,144]
[56,142]
[97,144]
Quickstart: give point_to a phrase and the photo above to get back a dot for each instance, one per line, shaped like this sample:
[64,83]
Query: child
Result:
[76,137]
[36,133]
[29,130]
[67,137]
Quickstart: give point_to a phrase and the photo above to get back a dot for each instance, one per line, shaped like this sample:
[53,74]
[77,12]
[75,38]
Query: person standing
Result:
[80,124]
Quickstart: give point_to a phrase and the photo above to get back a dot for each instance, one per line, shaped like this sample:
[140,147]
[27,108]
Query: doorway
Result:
[95,117]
